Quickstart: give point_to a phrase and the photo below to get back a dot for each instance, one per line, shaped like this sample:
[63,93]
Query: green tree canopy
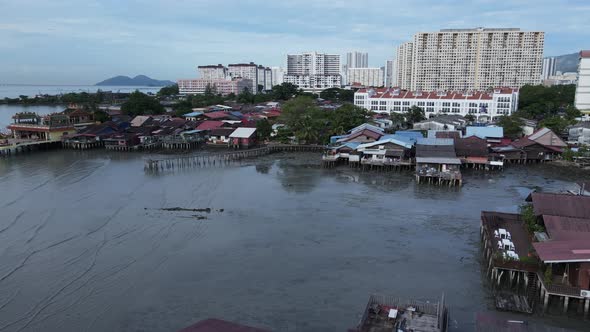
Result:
[539,102]
[346,117]
[263,129]
[415,114]
[140,104]
[512,126]
[284,91]
[338,95]
[170,90]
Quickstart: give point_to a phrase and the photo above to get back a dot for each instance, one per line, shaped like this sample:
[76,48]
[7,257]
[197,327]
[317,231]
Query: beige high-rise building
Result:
[471,59]
[404,60]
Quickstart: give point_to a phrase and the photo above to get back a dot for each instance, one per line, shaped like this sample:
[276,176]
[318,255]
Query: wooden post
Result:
[545,302]
[566,301]
[586,307]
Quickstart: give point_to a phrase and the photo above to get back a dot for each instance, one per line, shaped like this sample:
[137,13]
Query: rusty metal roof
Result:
[218,325]
[563,205]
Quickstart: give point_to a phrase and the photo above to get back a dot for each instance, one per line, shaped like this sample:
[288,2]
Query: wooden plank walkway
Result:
[223,158]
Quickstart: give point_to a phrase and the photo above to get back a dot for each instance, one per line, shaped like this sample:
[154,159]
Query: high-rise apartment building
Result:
[212,72]
[245,70]
[313,71]
[268,83]
[357,60]
[369,77]
[389,73]
[548,68]
[277,75]
[404,64]
[583,87]
[471,59]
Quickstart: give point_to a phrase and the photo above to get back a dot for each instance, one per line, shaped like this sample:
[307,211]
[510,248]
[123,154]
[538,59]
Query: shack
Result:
[243,137]
[437,162]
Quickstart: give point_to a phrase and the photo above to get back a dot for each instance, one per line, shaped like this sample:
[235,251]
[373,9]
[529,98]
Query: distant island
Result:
[139,80]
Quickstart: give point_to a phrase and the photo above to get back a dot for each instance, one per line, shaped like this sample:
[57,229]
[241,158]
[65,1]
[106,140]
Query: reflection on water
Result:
[287,246]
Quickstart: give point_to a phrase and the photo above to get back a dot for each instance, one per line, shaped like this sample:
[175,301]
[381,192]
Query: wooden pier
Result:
[222,159]
[24,147]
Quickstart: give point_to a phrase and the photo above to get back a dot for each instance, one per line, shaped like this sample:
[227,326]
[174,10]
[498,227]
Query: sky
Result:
[83,42]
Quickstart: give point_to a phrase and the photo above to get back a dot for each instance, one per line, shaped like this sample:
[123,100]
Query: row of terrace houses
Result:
[483,105]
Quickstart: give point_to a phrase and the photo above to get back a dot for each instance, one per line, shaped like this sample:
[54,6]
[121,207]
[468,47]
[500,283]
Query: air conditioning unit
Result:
[585,293]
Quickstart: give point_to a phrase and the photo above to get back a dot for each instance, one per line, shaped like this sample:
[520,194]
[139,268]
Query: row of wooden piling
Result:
[222,159]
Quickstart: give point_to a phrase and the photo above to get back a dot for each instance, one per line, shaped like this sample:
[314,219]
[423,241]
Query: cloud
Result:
[169,38]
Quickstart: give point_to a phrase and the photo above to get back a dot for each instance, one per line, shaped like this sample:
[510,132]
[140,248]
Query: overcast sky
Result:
[83,42]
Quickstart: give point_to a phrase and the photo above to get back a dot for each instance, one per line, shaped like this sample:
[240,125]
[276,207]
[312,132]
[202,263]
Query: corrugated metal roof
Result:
[218,325]
[438,160]
[435,141]
[366,126]
[561,205]
[563,251]
[472,146]
[410,133]
[567,228]
[385,141]
[438,151]
[485,132]
[243,132]
[193,114]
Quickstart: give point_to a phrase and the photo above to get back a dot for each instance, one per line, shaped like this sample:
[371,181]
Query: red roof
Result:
[217,115]
[567,228]
[564,205]
[563,251]
[585,54]
[218,325]
[208,125]
[364,132]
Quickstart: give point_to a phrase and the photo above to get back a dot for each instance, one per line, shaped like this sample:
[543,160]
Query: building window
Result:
[406,103]
[374,102]
[383,102]
[397,103]
[420,103]
[446,104]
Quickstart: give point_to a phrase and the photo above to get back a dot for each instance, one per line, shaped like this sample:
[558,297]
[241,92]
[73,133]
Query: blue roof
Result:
[194,131]
[436,141]
[333,139]
[407,145]
[352,145]
[410,133]
[237,114]
[485,132]
[191,114]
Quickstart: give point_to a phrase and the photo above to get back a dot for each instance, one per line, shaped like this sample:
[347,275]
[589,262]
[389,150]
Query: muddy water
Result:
[88,242]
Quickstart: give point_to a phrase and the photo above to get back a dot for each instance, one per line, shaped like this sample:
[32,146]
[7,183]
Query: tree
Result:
[210,90]
[170,90]
[415,114]
[346,117]
[263,129]
[245,97]
[338,95]
[101,116]
[140,104]
[571,113]
[512,126]
[398,119]
[305,119]
[260,88]
[284,91]
[555,123]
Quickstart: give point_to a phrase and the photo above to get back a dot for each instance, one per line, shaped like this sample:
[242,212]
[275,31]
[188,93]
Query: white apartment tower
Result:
[212,72]
[548,68]
[245,70]
[404,64]
[389,73]
[268,82]
[369,77]
[313,71]
[357,60]
[471,59]
[277,75]
[583,87]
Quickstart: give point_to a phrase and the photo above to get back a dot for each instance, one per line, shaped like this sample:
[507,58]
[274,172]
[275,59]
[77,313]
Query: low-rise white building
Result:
[365,76]
[484,106]
[223,87]
[314,82]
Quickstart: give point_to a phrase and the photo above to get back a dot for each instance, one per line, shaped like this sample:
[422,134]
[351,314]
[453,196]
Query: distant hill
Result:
[567,62]
[139,80]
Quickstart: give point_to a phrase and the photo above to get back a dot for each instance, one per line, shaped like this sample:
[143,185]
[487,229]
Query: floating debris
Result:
[207,210]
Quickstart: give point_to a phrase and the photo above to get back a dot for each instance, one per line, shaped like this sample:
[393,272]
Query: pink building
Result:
[219,86]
